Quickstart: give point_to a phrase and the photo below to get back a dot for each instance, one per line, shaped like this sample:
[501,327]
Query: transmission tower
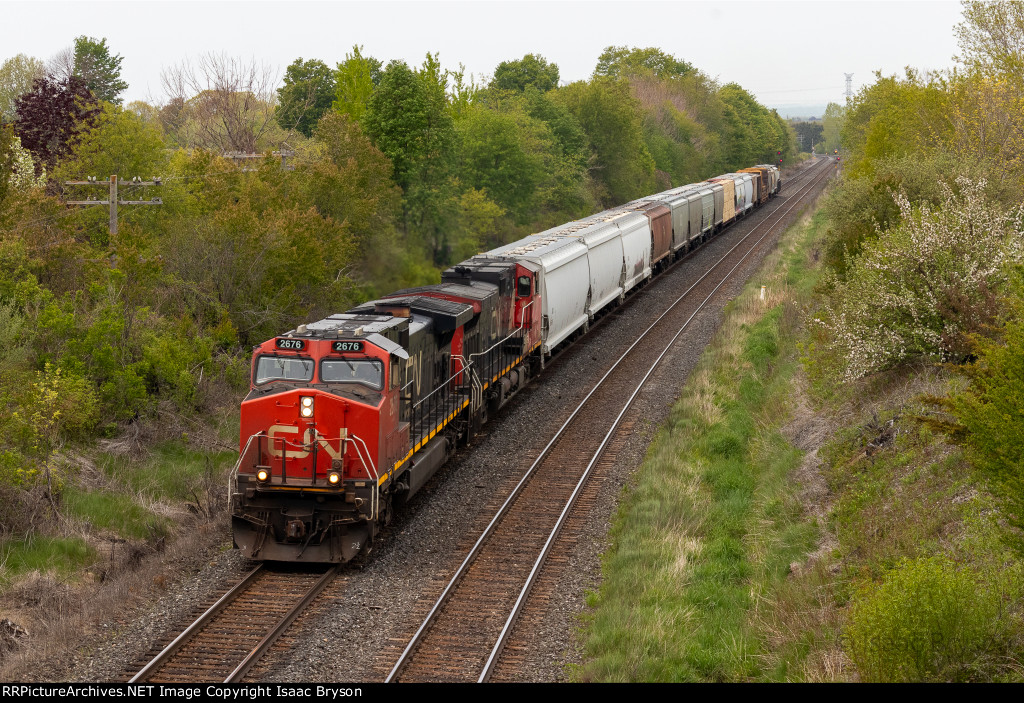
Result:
[849,81]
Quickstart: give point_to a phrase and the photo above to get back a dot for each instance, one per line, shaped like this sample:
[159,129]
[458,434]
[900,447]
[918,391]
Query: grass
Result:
[171,472]
[135,501]
[117,513]
[708,531]
[877,556]
[61,555]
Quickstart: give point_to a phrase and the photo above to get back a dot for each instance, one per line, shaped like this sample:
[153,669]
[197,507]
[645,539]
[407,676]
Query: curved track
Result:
[463,635]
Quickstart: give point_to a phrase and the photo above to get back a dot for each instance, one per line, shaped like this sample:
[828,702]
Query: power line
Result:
[112,201]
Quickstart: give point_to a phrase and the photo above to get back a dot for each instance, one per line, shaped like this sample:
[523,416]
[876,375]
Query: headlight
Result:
[262,475]
[306,406]
[334,478]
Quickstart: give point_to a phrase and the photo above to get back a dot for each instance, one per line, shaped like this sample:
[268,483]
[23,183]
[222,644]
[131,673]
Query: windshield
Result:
[365,371]
[283,368]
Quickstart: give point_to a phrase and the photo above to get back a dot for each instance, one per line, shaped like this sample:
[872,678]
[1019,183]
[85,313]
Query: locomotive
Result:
[348,417]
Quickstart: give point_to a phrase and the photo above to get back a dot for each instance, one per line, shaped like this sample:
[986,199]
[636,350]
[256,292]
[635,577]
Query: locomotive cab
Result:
[322,421]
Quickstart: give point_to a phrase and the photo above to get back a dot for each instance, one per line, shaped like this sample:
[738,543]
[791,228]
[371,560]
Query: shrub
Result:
[928,621]
[924,285]
[859,208]
[988,414]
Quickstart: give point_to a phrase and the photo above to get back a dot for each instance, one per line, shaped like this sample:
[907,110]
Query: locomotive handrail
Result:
[514,332]
[469,365]
[462,360]
[443,386]
[376,477]
[233,474]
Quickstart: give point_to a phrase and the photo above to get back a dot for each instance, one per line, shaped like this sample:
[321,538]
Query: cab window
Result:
[283,368]
[368,372]
[524,287]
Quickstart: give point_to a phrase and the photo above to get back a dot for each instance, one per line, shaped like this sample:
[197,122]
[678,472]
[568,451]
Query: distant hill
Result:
[799,112]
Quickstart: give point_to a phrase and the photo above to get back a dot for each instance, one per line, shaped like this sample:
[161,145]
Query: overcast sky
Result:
[783,52]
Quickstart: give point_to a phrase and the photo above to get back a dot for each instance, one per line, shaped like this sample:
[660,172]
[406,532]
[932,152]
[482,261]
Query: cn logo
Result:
[279,432]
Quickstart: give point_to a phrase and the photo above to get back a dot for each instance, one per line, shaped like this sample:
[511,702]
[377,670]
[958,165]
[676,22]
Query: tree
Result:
[52,115]
[613,122]
[623,62]
[350,180]
[355,80]
[832,126]
[991,37]
[922,287]
[118,142]
[6,161]
[100,69]
[809,133]
[16,76]
[227,103]
[755,132]
[505,157]
[407,120]
[531,70]
[306,95]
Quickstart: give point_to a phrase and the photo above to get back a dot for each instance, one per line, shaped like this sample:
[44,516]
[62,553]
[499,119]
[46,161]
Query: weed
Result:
[929,620]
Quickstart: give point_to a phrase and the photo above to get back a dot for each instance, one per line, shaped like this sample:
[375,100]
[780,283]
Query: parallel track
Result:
[462,637]
[233,633]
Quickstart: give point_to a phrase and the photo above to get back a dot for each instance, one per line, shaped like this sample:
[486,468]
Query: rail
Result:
[169,651]
[505,507]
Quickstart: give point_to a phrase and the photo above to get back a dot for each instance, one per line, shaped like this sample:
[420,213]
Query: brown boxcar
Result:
[661,227]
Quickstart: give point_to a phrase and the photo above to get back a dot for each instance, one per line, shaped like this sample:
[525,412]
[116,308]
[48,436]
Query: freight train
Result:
[349,416]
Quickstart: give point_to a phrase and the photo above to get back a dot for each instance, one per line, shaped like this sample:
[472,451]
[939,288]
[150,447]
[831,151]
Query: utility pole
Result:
[112,199]
[240,157]
[849,80]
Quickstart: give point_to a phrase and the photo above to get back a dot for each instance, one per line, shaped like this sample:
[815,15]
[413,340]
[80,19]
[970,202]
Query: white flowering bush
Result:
[922,286]
[23,174]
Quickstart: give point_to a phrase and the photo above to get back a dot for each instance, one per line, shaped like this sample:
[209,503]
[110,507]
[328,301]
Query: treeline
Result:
[924,292]
[283,203]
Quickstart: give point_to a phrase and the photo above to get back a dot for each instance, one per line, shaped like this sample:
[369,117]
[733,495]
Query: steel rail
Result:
[167,652]
[471,556]
[264,645]
[541,559]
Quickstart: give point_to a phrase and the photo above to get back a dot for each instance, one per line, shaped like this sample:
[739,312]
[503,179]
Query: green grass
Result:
[170,472]
[114,512]
[708,531]
[60,555]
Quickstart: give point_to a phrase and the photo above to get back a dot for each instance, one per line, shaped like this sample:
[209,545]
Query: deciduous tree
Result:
[355,79]
[228,102]
[306,95]
[613,122]
[991,38]
[623,62]
[16,77]
[531,70]
[52,115]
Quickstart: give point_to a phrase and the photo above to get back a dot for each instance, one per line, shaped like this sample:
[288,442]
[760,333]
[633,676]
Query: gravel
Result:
[355,629]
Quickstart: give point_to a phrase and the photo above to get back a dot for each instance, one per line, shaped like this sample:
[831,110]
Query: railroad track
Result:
[238,629]
[463,635]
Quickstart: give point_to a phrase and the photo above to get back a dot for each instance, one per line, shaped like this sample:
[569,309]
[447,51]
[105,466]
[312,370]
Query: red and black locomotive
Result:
[349,416]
